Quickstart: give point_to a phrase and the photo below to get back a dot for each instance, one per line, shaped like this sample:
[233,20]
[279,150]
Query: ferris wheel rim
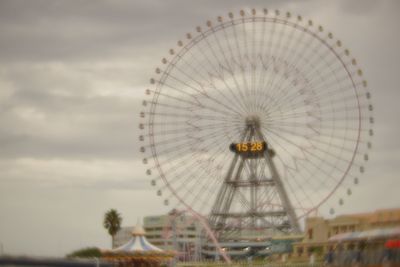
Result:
[201,36]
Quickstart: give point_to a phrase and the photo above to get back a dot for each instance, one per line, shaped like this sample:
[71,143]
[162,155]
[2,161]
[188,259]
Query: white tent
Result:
[138,242]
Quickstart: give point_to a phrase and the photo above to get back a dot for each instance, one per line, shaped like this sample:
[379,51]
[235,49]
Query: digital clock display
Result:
[249,149]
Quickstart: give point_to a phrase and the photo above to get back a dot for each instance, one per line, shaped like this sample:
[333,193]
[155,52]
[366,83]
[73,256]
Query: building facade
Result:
[319,232]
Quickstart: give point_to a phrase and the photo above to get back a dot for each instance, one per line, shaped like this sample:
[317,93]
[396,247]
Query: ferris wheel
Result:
[256,120]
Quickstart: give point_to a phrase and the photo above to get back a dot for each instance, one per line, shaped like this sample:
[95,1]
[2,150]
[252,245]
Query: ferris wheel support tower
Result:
[281,220]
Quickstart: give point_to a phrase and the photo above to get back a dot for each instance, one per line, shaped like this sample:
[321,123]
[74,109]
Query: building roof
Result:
[370,234]
[378,216]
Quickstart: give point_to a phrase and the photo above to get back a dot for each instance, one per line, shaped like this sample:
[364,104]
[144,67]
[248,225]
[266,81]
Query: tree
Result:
[112,222]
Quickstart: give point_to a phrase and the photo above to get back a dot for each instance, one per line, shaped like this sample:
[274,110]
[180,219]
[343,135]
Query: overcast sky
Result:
[72,76]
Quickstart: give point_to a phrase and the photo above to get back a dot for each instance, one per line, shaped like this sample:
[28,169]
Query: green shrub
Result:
[85,253]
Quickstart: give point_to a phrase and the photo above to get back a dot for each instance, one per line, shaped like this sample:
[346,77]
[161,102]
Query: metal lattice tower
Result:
[241,187]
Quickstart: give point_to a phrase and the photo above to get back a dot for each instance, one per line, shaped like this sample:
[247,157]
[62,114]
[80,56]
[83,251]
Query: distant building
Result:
[320,233]
[174,232]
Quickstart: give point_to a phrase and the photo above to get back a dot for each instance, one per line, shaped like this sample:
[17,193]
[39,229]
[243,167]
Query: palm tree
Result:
[112,222]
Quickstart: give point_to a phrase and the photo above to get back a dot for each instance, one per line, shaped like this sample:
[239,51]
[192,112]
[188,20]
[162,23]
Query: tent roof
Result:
[138,243]
[138,231]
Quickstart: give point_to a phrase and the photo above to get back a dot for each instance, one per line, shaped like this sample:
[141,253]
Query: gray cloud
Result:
[49,113]
[101,30]
[70,127]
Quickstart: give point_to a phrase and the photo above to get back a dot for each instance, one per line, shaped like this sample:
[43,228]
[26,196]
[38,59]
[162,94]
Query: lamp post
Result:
[173,214]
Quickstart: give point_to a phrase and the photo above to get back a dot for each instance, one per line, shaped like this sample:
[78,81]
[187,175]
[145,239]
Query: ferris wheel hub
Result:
[253,121]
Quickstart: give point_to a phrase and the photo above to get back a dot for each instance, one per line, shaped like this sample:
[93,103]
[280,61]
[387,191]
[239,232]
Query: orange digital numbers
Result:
[249,148]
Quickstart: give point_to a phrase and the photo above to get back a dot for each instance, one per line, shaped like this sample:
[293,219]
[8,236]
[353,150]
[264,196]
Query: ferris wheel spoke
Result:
[189,147]
[228,68]
[188,138]
[254,64]
[259,58]
[263,71]
[298,186]
[184,170]
[175,141]
[333,156]
[269,53]
[345,149]
[327,173]
[328,75]
[177,131]
[190,103]
[166,123]
[279,57]
[179,149]
[228,108]
[236,103]
[286,95]
[220,78]
[196,184]
[281,91]
[288,168]
[299,204]
[216,74]
[335,92]
[293,133]
[277,54]
[323,88]
[326,83]
[319,141]
[198,103]
[340,92]
[310,49]
[316,115]
[250,64]
[184,109]
[326,152]
[243,89]
[288,45]
[288,51]
[315,101]
[320,150]
[305,46]
[205,190]
[178,162]
[192,117]
[287,116]
[176,150]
